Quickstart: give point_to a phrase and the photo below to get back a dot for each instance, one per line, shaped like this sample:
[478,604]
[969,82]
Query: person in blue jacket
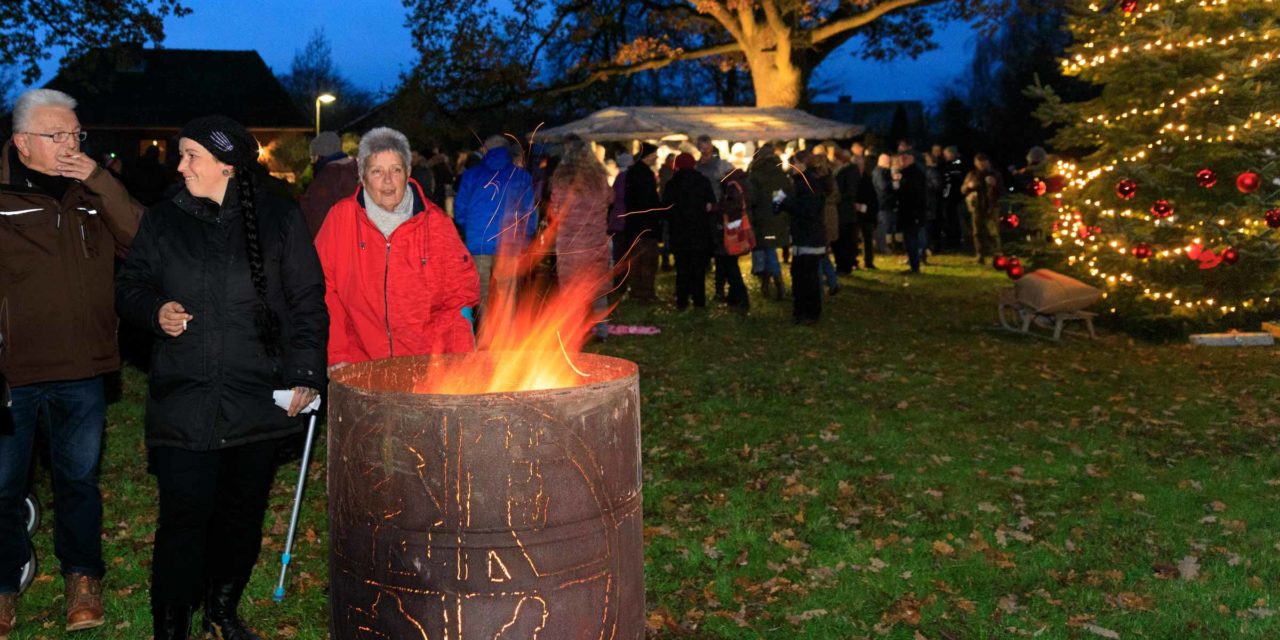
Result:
[495,214]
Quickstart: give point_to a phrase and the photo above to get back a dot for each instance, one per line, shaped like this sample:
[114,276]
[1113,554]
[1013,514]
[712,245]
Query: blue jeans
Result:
[886,229]
[766,261]
[829,272]
[72,415]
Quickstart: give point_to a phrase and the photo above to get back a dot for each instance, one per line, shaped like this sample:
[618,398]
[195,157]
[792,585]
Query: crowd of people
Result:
[827,210]
[247,294]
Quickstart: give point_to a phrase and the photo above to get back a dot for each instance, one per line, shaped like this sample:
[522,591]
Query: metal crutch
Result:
[297,504]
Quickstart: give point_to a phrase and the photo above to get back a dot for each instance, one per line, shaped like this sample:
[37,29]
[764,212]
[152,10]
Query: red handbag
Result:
[739,239]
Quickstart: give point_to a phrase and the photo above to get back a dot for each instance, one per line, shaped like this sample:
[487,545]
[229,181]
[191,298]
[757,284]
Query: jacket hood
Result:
[766,162]
[497,159]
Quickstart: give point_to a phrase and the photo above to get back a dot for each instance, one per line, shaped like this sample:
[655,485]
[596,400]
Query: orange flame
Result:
[532,328]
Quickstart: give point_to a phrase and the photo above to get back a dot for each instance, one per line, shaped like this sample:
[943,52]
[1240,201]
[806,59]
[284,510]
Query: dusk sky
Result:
[372,46]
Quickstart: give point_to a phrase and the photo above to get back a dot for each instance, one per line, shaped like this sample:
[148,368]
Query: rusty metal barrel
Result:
[497,516]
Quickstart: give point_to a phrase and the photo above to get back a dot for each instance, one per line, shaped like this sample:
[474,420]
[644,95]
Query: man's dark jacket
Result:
[644,209]
[913,198]
[692,226]
[57,258]
[772,224]
[210,388]
[808,227]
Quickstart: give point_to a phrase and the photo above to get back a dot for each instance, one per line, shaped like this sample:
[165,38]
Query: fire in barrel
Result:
[491,495]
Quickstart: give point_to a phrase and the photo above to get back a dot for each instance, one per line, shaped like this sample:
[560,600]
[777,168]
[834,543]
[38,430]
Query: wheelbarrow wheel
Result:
[33,514]
[29,572]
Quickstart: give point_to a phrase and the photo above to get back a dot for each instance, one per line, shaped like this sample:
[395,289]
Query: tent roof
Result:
[721,123]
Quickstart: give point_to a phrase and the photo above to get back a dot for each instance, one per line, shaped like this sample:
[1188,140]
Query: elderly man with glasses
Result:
[63,220]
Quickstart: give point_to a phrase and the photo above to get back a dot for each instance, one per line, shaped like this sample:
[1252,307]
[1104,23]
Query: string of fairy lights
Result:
[1070,229]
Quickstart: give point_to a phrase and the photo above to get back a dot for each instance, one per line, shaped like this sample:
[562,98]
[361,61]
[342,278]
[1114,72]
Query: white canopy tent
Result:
[685,123]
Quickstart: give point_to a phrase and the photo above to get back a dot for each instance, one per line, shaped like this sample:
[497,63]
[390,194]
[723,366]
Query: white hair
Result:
[31,100]
[496,141]
[379,140]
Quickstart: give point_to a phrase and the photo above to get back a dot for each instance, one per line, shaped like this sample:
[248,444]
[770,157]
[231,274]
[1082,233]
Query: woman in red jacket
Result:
[398,280]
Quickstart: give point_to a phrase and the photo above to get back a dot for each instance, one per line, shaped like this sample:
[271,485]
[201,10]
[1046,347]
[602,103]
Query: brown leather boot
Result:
[8,613]
[84,602]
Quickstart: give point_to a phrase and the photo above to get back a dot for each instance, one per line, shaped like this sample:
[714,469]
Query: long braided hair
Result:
[231,143]
[265,319]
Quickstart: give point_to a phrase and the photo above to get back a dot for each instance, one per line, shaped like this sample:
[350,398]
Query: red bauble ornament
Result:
[1016,271]
[1206,178]
[1037,187]
[1129,6]
[1014,262]
[1142,251]
[1126,189]
[1161,209]
[1012,221]
[1230,255]
[1000,263]
[1273,218]
[1248,182]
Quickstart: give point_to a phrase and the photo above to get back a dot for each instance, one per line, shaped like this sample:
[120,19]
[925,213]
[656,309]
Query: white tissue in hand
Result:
[284,398]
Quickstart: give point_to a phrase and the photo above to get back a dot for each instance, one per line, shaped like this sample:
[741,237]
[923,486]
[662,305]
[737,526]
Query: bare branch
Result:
[852,23]
[721,14]
[602,73]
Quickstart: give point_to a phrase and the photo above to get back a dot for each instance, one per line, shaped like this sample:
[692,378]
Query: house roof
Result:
[164,88]
[875,116]
[681,123]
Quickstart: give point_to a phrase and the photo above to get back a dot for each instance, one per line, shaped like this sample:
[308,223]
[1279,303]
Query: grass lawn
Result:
[900,470]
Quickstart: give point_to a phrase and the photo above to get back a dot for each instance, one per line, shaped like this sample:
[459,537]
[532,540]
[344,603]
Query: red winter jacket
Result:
[401,296]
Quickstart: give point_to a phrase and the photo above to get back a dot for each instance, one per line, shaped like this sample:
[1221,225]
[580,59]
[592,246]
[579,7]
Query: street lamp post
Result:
[324,98]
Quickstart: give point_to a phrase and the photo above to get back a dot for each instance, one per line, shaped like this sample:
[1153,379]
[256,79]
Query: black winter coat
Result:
[867,196]
[912,198]
[692,226]
[808,226]
[210,387]
[953,174]
[847,180]
[644,212]
[772,226]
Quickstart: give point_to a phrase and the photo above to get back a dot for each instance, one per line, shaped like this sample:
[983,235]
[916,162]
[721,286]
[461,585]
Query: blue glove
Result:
[470,315]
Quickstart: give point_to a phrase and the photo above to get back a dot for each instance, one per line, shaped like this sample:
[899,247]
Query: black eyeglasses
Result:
[60,137]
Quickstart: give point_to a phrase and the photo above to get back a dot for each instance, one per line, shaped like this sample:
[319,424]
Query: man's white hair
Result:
[24,109]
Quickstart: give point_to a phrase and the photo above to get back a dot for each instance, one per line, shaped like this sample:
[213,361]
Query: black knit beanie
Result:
[225,138]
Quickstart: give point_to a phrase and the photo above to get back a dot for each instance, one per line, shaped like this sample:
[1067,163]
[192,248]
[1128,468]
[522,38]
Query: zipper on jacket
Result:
[386,300]
[84,240]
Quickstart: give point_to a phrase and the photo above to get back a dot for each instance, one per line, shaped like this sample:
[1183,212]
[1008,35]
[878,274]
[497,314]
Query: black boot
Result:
[220,617]
[171,622]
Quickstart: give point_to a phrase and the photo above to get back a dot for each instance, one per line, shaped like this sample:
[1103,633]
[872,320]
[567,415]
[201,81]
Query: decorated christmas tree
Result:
[1164,191]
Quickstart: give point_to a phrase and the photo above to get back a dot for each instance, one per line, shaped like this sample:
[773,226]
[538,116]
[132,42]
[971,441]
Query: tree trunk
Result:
[778,83]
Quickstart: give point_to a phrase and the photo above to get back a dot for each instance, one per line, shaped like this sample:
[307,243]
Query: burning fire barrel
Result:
[508,515]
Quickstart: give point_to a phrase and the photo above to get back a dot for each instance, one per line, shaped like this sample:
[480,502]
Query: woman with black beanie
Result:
[226,278]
